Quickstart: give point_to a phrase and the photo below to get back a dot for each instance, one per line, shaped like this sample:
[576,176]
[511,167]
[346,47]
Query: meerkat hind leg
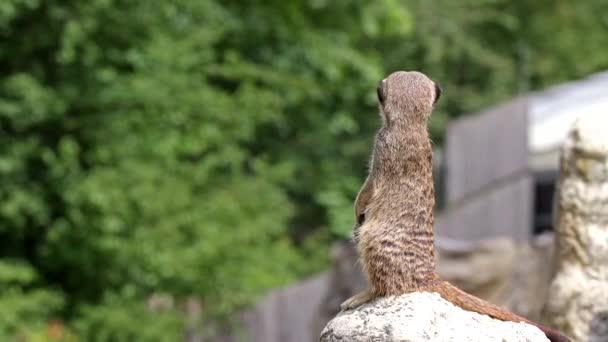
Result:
[357,300]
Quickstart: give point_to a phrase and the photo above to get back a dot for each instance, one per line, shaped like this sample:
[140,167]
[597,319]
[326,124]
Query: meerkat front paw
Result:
[356,300]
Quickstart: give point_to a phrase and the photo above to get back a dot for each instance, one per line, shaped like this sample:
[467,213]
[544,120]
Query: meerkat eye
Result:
[380,92]
[360,219]
[437,93]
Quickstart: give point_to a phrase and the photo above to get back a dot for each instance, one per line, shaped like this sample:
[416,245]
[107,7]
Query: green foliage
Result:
[122,320]
[213,148]
[25,304]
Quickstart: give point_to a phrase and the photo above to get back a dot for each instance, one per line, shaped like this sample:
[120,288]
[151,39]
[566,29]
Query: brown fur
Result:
[394,209]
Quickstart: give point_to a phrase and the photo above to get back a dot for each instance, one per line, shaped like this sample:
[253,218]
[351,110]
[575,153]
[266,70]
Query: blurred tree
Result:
[161,148]
[213,148]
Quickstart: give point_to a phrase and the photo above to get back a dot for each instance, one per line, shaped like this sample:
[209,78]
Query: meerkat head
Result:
[407,97]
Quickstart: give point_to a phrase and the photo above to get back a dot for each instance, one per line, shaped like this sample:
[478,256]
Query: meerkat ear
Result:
[437,93]
[380,92]
[360,218]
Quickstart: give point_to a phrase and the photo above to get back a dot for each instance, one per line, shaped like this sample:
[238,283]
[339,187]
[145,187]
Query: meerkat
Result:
[394,208]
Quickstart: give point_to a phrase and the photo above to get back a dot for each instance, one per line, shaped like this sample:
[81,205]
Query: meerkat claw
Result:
[356,300]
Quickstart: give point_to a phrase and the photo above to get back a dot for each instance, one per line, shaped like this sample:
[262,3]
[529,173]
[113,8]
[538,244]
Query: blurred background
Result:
[166,164]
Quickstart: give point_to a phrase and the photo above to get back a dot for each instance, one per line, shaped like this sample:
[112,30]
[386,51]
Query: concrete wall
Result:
[489,188]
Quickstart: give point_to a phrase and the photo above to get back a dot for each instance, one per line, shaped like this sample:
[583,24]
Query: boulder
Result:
[422,316]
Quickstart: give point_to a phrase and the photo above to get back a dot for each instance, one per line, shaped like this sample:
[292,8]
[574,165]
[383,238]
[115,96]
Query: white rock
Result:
[578,295]
[422,316]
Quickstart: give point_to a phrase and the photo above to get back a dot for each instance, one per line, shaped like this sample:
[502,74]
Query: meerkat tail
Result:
[469,302]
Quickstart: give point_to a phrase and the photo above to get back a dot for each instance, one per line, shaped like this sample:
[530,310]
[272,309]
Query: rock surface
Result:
[422,317]
[578,300]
